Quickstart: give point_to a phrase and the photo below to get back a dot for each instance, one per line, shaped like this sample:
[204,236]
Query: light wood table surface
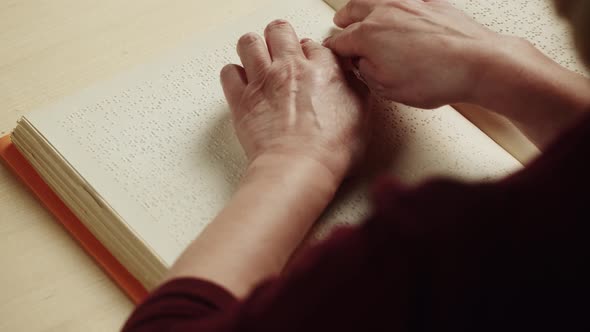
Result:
[50,49]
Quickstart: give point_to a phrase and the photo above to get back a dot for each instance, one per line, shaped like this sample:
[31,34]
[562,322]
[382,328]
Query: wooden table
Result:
[50,49]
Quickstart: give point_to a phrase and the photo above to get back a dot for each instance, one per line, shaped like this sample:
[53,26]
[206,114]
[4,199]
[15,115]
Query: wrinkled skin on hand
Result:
[292,99]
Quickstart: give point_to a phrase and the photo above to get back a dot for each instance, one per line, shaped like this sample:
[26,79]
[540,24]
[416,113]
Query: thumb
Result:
[346,43]
[233,81]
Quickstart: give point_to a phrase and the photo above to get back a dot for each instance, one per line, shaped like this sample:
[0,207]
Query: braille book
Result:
[136,167]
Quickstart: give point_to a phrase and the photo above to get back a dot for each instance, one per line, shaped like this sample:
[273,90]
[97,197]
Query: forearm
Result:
[538,95]
[255,234]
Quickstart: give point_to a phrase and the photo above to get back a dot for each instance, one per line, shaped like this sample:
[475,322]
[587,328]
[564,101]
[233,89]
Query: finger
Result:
[367,69]
[234,82]
[346,43]
[282,40]
[313,50]
[254,55]
[354,11]
[371,76]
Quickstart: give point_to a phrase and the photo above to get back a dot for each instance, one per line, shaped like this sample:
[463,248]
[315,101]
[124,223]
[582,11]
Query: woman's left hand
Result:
[302,127]
[291,100]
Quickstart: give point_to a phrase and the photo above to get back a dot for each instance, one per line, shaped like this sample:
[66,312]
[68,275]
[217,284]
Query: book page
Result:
[157,145]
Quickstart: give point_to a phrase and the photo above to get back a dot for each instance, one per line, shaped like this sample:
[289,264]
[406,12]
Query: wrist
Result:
[298,172]
[518,77]
[499,69]
[534,92]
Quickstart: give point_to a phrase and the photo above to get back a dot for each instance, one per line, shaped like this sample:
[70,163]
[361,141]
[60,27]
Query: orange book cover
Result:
[19,165]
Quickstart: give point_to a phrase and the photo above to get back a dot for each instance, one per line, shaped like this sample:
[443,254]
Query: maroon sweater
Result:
[512,255]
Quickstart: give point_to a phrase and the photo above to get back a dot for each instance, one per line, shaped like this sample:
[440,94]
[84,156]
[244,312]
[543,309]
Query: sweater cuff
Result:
[215,296]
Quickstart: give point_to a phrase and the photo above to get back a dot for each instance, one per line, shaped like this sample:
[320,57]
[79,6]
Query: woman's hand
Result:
[428,54]
[421,53]
[302,127]
[291,100]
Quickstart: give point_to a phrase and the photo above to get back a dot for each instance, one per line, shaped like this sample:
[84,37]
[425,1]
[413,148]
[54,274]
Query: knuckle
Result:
[308,48]
[258,68]
[307,42]
[310,45]
[251,100]
[350,5]
[291,49]
[358,3]
[364,28]
[286,73]
[400,2]
[361,5]
[410,6]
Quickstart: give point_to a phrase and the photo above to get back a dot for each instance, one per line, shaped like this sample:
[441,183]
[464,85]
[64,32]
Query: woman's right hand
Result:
[420,53]
[426,53]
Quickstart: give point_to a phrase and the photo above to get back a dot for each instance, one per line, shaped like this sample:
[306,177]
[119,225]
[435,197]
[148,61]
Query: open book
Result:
[147,159]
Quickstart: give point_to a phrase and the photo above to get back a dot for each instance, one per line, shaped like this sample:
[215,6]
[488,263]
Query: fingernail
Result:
[305,40]
[278,22]
[326,40]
